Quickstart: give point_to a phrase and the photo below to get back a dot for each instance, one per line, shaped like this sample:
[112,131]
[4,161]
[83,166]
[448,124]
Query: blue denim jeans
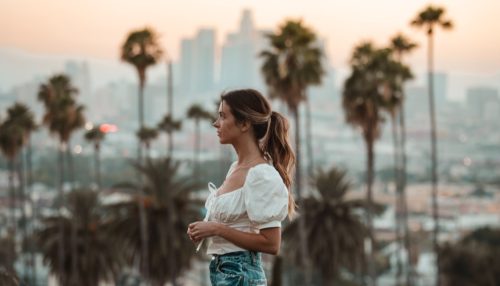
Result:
[241,268]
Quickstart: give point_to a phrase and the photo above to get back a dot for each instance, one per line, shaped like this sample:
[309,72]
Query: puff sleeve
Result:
[265,197]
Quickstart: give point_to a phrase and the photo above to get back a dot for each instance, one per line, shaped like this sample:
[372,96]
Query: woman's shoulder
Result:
[263,173]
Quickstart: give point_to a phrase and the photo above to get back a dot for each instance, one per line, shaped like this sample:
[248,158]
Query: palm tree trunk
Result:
[74,253]
[397,208]
[71,166]
[62,148]
[277,271]
[22,197]
[298,188]
[310,154]
[370,162]
[170,105]
[142,214]
[141,117]
[12,194]
[29,167]
[434,156]
[97,163]
[404,202]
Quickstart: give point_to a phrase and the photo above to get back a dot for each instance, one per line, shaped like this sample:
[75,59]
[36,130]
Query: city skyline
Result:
[467,70]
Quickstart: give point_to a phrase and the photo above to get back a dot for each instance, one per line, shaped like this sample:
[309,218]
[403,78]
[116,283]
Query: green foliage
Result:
[169,208]
[474,260]
[335,232]
[430,17]
[141,49]
[63,115]
[292,63]
[99,258]
[197,112]
[146,135]
[168,124]
[95,135]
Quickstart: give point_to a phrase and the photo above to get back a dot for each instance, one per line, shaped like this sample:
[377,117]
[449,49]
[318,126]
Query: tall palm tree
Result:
[11,141]
[99,257]
[96,136]
[197,113]
[329,215]
[362,99]
[293,63]
[166,198]
[142,50]
[19,114]
[146,135]
[63,116]
[395,74]
[429,19]
[169,125]
[401,45]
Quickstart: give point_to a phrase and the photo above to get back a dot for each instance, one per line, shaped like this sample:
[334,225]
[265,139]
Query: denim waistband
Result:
[252,257]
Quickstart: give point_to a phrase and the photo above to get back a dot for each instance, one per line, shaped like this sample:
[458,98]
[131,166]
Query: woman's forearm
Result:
[267,241]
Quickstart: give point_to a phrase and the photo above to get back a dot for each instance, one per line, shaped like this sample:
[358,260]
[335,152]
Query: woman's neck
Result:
[247,151]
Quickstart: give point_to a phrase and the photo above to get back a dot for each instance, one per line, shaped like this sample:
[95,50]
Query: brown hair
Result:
[270,129]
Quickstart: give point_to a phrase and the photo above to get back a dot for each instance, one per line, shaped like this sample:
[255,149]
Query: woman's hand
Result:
[202,229]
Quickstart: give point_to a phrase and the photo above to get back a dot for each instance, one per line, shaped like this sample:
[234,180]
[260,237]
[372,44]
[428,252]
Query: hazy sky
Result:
[96,28]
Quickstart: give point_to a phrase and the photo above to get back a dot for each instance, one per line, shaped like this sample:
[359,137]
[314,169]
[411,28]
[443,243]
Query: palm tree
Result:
[362,99]
[473,260]
[146,135]
[329,215]
[166,198]
[63,116]
[395,74]
[142,50]
[197,113]
[20,115]
[169,125]
[99,257]
[95,136]
[402,45]
[428,19]
[291,65]
[11,141]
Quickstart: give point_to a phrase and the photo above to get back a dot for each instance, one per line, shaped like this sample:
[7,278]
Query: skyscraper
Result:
[197,62]
[240,63]
[483,102]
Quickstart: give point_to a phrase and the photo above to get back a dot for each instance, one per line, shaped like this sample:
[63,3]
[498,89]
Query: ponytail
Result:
[276,147]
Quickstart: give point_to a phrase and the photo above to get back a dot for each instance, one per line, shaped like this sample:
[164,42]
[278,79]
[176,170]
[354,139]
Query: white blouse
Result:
[262,202]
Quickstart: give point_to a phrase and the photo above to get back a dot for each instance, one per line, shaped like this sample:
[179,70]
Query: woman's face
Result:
[227,129]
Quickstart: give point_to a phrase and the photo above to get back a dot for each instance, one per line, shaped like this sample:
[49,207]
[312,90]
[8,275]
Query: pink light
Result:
[108,128]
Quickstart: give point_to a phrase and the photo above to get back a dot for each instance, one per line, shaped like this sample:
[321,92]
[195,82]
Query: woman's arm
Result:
[267,241]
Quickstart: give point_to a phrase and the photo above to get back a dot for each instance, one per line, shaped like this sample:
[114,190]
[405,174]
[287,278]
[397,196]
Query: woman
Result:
[244,214]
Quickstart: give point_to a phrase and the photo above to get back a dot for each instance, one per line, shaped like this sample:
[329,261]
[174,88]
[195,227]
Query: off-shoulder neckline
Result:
[217,195]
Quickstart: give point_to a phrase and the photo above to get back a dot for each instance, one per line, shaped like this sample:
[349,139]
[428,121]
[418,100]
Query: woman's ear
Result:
[245,126]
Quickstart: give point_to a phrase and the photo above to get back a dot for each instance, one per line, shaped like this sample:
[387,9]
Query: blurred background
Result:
[105,131]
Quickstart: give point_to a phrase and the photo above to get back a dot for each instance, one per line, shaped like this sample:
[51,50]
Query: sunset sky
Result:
[96,28]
